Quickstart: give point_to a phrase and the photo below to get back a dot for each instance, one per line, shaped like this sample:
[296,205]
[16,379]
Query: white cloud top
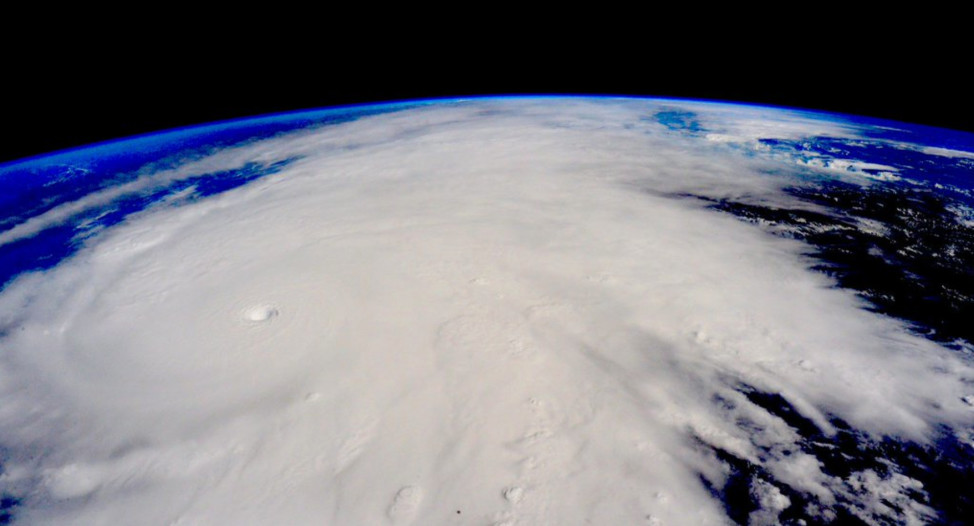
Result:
[489,307]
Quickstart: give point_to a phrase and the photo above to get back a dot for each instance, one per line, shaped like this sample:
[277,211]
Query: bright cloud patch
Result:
[475,312]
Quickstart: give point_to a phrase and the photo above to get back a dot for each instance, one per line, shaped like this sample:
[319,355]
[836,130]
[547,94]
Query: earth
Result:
[524,310]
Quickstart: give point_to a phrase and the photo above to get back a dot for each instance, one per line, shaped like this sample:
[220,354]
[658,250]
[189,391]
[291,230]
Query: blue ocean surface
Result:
[33,186]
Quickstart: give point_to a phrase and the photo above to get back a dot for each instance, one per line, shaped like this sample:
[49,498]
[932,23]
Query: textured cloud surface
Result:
[492,311]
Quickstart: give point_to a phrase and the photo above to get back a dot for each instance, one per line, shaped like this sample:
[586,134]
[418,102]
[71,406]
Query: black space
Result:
[92,84]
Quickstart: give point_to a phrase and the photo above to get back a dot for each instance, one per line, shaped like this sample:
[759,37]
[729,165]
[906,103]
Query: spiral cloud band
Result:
[497,311]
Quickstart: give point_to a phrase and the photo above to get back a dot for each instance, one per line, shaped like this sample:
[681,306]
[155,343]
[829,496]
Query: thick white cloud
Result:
[492,307]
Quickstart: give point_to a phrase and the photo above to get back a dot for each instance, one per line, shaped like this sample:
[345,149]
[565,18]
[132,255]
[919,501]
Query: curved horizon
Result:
[216,125]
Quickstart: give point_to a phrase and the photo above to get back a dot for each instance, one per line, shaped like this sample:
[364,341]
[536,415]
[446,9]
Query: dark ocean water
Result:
[905,244]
